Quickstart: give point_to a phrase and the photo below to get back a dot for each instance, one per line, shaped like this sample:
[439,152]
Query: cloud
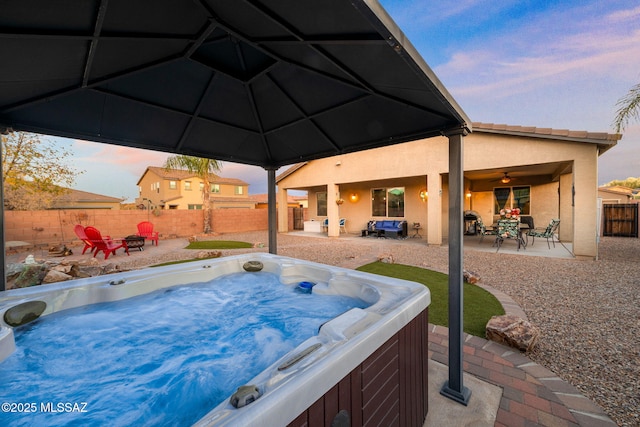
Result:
[496,71]
[133,160]
[623,15]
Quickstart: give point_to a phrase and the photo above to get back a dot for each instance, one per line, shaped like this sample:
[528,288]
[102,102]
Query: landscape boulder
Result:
[512,331]
[386,258]
[208,254]
[31,275]
[470,277]
[54,276]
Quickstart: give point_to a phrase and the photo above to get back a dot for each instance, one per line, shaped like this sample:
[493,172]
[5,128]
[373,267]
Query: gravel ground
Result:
[587,311]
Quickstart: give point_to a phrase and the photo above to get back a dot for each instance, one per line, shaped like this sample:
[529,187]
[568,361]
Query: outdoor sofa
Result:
[387,228]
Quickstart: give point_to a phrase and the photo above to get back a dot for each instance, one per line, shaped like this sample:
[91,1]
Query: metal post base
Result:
[452,394]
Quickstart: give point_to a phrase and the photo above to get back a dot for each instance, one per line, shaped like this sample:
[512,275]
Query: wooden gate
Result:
[620,220]
[298,218]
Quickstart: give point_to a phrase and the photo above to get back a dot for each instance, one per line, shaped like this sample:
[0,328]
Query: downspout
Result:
[454,388]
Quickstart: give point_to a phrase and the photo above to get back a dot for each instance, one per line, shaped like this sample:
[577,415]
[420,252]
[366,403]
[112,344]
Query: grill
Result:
[470,221]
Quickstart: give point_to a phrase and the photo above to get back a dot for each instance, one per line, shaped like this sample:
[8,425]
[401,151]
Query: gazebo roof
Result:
[259,82]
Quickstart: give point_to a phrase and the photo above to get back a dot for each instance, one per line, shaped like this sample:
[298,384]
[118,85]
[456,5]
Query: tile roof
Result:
[84,196]
[564,134]
[179,174]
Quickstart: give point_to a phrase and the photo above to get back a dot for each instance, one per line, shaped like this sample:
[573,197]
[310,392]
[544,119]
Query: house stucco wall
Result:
[424,163]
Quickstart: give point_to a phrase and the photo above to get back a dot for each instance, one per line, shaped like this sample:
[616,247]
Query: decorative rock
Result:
[470,277]
[513,331]
[24,313]
[91,262]
[253,266]
[63,268]
[386,258]
[89,271]
[32,275]
[54,276]
[111,268]
[258,245]
[208,254]
[60,250]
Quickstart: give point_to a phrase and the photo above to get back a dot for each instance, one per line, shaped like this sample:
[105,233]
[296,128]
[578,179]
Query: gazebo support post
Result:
[272,213]
[3,282]
[454,388]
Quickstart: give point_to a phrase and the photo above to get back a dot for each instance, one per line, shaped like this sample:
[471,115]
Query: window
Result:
[379,202]
[187,185]
[387,202]
[215,188]
[194,207]
[239,190]
[173,185]
[512,197]
[321,204]
[522,199]
[395,202]
[201,186]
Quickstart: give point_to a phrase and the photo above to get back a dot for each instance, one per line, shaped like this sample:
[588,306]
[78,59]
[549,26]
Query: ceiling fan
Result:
[505,179]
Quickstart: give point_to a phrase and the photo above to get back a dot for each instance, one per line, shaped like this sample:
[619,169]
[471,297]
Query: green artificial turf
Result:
[479,305]
[219,244]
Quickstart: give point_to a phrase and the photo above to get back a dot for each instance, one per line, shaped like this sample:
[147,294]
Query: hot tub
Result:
[367,365]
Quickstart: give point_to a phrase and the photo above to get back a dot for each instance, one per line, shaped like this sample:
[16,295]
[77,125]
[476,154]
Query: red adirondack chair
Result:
[104,245]
[145,229]
[79,230]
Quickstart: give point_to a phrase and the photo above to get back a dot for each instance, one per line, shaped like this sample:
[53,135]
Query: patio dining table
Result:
[523,230]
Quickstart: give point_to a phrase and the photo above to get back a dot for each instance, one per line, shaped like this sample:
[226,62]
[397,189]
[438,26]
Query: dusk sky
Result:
[560,64]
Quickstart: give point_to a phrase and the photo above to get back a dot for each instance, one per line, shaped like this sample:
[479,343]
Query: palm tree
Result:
[202,168]
[629,108]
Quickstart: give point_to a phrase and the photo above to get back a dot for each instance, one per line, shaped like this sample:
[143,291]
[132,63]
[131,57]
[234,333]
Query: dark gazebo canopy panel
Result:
[267,83]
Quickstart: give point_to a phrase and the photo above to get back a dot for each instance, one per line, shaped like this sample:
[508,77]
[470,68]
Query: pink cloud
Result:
[624,15]
[133,160]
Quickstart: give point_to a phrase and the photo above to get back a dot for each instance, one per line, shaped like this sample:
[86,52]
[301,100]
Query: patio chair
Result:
[343,221]
[105,245]
[528,220]
[325,224]
[79,230]
[547,233]
[145,229]
[509,229]
[482,230]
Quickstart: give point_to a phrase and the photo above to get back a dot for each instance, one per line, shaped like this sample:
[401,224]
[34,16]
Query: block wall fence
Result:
[54,227]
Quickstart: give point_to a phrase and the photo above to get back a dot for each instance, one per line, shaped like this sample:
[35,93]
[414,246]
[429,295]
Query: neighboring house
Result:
[160,188]
[548,173]
[616,195]
[76,199]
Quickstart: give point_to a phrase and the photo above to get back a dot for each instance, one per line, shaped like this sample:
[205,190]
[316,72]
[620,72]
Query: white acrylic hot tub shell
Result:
[345,341]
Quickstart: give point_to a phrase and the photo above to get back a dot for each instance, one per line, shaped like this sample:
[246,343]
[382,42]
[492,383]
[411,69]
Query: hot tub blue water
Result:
[164,358]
